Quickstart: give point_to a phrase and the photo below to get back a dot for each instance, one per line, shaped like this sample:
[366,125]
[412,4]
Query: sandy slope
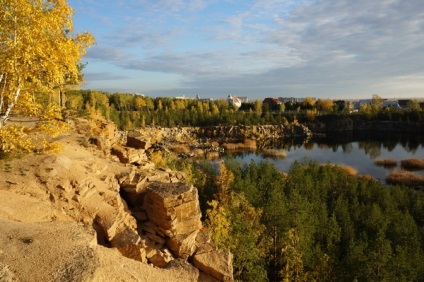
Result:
[43,234]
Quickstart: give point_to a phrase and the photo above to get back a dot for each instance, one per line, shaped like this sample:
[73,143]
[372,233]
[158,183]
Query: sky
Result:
[256,48]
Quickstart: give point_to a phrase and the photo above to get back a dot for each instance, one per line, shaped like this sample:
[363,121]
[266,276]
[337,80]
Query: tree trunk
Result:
[2,92]
[61,101]
[10,106]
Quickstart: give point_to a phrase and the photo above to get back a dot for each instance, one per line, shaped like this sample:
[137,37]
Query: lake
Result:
[359,151]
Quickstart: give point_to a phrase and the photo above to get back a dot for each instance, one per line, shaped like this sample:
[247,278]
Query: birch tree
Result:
[38,51]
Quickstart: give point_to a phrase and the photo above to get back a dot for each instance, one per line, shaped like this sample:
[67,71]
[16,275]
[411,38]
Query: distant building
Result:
[290,100]
[358,104]
[392,104]
[233,100]
[244,99]
[403,103]
[344,105]
[181,97]
[271,101]
[203,99]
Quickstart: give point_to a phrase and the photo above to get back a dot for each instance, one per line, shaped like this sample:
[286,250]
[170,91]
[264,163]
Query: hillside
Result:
[63,218]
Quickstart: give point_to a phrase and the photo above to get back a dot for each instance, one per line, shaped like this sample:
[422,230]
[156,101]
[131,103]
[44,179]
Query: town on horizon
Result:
[355,103]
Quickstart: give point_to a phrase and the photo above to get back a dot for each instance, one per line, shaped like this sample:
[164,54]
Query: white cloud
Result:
[294,47]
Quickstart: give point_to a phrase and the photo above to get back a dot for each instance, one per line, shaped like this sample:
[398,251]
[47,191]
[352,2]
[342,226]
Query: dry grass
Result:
[212,155]
[387,163]
[230,146]
[348,169]
[199,152]
[412,164]
[405,177]
[366,176]
[248,145]
[274,153]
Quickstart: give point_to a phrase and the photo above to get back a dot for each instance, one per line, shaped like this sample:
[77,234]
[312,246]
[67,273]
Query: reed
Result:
[274,153]
[346,168]
[412,164]
[248,145]
[387,163]
[405,177]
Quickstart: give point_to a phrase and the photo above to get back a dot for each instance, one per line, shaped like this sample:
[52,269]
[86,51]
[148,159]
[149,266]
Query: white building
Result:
[233,100]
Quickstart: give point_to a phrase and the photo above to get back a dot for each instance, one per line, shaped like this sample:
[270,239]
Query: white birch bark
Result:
[10,106]
[2,92]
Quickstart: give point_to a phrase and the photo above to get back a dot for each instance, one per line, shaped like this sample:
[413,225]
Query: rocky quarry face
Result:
[143,215]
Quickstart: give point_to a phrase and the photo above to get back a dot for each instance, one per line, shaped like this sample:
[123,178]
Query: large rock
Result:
[129,155]
[174,210]
[183,246]
[174,207]
[157,257]
[134,183]
[137,141]
[215,262]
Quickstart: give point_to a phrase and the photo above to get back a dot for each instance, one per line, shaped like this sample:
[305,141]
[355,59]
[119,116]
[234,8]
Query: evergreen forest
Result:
[316,223]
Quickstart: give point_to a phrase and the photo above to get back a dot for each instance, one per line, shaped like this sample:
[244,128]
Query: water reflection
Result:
[359,151]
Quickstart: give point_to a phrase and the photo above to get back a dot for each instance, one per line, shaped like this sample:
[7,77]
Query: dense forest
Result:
[316,223]
[131,111]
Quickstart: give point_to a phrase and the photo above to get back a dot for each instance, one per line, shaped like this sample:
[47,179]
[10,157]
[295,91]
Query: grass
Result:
[405,177]
[346,168]
[387,163]
[273,153]
[412,164]
[248,145]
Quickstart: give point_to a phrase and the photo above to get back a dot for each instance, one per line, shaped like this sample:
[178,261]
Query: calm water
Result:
[360,152]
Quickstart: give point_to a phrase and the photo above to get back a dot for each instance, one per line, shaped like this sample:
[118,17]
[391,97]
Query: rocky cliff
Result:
[334,124]
[101,211]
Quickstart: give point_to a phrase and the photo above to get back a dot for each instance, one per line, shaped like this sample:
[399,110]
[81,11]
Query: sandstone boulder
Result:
[157,257]
[137,141]
[129,155]
[134,252]
[173,212]
[215,262]
[173,207]
[183,264]
[183,246]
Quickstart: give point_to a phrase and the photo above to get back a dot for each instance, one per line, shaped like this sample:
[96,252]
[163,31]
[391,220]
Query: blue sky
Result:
[255,48]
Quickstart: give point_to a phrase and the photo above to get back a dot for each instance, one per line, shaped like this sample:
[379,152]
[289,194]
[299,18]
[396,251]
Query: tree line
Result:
[130,111]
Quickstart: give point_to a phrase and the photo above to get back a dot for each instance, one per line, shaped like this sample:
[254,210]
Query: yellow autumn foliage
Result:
[15,138]
[18,138]
[38,54]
